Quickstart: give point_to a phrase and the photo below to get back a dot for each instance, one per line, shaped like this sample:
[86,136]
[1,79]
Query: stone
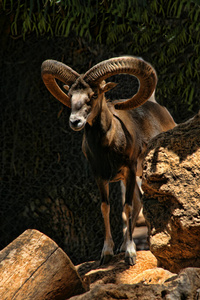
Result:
[184,286]
[34,267]
[117,271]
[122,291]
[145,280]
[171,199]
[145,271]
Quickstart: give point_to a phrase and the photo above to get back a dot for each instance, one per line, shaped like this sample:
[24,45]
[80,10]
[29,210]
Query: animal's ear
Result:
[66,87]
[107,86]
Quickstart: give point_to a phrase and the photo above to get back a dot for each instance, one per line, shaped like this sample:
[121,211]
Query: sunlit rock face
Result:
[171,184]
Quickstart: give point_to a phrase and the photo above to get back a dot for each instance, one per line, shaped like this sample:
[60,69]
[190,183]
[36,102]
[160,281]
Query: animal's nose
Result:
[75,123]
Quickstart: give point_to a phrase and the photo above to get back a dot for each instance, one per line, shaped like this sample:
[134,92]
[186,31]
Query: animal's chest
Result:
[106,162]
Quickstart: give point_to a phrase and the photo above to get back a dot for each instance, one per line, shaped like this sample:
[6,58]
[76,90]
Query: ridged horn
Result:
[137,67]
[51,70]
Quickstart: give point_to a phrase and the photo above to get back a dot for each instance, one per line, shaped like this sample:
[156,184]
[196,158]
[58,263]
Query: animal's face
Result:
[85,102]
[82,102]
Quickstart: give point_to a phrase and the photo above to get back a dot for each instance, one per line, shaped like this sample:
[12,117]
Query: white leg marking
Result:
[130,249]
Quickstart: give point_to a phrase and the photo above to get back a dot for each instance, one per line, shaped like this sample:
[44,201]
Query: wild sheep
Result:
[115,132]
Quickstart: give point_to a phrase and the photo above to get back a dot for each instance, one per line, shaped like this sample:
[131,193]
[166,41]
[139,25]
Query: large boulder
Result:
[143,281]
[171,184]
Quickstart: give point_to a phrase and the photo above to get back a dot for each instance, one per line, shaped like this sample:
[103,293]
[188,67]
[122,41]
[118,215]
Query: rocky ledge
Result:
[143,281]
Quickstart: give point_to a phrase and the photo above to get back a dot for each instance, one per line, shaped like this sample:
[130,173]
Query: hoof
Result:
[130,260]
[105,259]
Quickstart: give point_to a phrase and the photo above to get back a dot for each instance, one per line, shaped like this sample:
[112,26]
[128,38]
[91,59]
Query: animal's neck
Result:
[102,116]
[103,123]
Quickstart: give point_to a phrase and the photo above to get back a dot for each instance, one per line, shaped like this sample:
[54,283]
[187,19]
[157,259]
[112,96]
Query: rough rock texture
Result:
[145,270]
[143,281]
[171,184]
[34,267]
[118,280]
[122,291]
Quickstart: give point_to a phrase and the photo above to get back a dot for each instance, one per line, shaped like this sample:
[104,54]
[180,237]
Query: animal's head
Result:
[84,92]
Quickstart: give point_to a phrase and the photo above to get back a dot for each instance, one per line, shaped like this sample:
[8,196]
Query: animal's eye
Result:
[79,104]
[92,96]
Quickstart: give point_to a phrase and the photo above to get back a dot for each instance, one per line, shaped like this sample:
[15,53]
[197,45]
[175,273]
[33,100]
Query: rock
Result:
[143,281]
[171,185]
[184,286]
[117,273]
[34,267]
[122,291]
[152,276]
[145,270]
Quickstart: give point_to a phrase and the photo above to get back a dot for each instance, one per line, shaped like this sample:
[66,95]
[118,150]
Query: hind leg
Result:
[132,208]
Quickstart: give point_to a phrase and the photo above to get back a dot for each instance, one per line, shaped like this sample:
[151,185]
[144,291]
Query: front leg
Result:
[107,251]
[131,209]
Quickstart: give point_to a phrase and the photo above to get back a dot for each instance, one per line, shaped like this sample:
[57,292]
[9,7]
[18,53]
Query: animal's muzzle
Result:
[76,123]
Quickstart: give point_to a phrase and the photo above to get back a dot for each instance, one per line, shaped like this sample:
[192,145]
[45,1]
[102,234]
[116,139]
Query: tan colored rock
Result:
[122,291]
[116,280]
[152,276]
[185,285]
[34,267]
[171,184]
[145,270]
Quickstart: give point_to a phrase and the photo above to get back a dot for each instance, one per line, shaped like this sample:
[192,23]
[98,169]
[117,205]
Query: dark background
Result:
[45,181]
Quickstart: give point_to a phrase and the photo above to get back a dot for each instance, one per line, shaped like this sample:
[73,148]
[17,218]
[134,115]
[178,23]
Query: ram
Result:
[116,133]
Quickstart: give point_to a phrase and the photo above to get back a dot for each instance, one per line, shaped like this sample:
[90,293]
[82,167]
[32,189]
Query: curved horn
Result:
[51,70]
[137,67]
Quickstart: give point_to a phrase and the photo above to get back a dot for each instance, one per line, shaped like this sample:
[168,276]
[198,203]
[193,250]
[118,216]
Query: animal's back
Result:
[150,119]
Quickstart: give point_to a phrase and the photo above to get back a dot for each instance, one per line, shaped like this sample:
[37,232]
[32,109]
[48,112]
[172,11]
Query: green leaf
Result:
[191,96]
